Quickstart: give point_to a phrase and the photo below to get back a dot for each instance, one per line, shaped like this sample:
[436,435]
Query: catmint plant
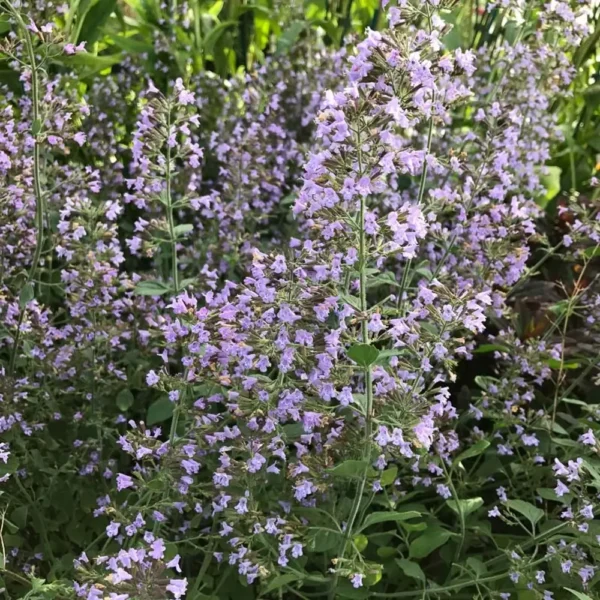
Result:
[325,328]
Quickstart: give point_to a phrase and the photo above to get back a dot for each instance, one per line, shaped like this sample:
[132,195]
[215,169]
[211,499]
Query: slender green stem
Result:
[208,557]
[37,175]
[368,428]
[170,217]
[452,587]
[423,179]
[461,515]
[569,310]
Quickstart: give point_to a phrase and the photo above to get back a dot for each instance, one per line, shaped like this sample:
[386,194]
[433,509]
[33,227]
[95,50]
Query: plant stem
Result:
[37,176]
[461,515]
[368,429]
[170,219]
[450,588]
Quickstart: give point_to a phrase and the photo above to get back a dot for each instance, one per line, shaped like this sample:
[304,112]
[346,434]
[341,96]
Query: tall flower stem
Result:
[169,204]
[368,376]
[37,176]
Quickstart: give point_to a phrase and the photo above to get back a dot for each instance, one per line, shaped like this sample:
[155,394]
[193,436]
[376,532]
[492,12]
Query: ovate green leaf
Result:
[528,510]
[151,288]
[411,569]
[384,517]
[431,540]
[467,506]
[475,450]
[363,354]
[159,411]
[124,399]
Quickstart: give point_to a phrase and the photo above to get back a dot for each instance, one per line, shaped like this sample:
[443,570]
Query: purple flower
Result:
[124,481]
[152,378]
[177,587]
[174,563]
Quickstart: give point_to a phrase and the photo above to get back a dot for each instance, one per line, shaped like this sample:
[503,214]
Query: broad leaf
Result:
[385,517]
[363,354]
[475,450]
[467,506]
[151,288]
[551,181]
[281,581]
[528,510]
[27,294]
[351,468]
[324,540]
[182,229]
[159,411]
[389,476]
[360,541]
[124,400]
[411,569]
[431,540]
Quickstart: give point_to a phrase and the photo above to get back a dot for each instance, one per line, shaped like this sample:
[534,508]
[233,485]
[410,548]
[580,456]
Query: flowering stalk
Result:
[27,291]
[169,209]
[368,377]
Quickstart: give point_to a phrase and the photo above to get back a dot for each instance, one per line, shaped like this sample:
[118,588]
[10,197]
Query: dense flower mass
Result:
[319,329]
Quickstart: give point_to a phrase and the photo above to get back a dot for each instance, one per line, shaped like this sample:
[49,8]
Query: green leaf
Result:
[484,381]
[550,494]
[361,542]
[91,28]
[151,288]
[180,230]
[385,355]
[592,470]
[351,468]
[431,540]
[386,552]
[363,354]
[486,348]
[324,540]
[555,363]
[374,574]
[478,566]
[550,181]
[386,278]
[131,45]
[579,595]
[411,569]
[159,411]
[528,510]
[26,295]
[351,300]
[466,506]
[281,581]
[592,252]
[385,517]
[4,24]
[36,127]
[290,36]
[19,516]
[124,399]
[91,63]
[346,590]
[215,33]
[475,450]
[389,476]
